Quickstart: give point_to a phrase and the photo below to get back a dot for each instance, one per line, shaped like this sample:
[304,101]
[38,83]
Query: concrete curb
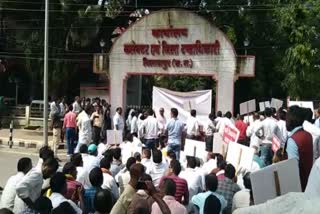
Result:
[25,143]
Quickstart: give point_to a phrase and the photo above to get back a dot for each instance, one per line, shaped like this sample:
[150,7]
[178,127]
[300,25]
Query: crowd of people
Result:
[160,178]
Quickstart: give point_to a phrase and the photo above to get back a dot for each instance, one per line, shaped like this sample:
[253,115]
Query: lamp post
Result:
[45,74]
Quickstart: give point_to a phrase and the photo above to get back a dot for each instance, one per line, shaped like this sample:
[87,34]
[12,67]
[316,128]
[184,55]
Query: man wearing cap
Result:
[92,160]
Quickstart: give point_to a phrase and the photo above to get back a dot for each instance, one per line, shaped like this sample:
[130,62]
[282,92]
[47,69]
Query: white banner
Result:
[201,101]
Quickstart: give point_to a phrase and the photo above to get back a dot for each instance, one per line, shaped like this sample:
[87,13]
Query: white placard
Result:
[243,108]
[252,106]
[218,145]
[276,103]
[303,104]
[240,156]
[195,149]
[128,150]
[262,107]
[114,137]
[264,185]
[267,104]
[248,107]
[248,119]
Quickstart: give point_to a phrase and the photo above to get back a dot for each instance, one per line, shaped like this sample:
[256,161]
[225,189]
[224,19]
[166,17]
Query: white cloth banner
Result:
[184,102]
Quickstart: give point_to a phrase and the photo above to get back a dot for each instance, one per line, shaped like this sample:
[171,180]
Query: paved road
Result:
[9,159]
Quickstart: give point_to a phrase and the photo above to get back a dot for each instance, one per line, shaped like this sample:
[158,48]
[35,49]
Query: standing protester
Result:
[134,124]
[150,130]
[253,133]
[210,129]
[224,121]
[192,126]
[269,128]
[282,127]
[56,125]
[9,192]
[97,120]
[85,129]
[162,121]
[63,110]
[70,126]
[299,144]
[77,105]
[118,121]
[106,124]
[129,119]
[242,127]
[174,129]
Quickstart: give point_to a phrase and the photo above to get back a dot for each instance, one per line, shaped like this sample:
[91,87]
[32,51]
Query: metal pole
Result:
[45,75]
[17,91]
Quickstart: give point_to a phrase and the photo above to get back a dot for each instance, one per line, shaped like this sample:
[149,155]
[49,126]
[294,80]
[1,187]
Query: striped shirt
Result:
[181,187]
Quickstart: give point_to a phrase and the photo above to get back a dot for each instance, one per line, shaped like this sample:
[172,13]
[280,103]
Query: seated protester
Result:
[116,164]
[123,177]
[136,172]
[82,174]
[58,184]
[227,187]
[182,191]
[64,208]
[211,163]
[93,160]
[137,156]
[103,201]
[157,168]
[45,153]
[243,198]
[257,162]
[141,198]
[42,205]
[73,186]
[201,172]
[280,155]
[200,200]
[146,159]
[219,171]
[192,177]
[96,179]
[29,188]
[9,191]
[108,181]
[168,187]
[5,211]
[212,205]
[171,156]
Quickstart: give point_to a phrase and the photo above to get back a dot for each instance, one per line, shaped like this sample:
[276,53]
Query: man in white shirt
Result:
[146,159]
[224,121]
[269,128]
[108,180]
[134,124]
[162,121]
[157,168]
[76,105]
[85,128]
[29,188]
[123,177]
[209,129]
[282,127]
[118,121]
[192,125]
[210,164]
[253,133]
[150,130]
[317,122]
[193,178]
[9,191]
[58,186]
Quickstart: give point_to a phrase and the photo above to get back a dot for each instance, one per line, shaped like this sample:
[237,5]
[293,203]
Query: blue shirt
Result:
[292,147]
[317,123]
[89,199]
[175,128]
[200,200]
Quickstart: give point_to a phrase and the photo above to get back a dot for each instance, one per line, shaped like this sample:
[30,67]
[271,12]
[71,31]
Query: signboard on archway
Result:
[177,42]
